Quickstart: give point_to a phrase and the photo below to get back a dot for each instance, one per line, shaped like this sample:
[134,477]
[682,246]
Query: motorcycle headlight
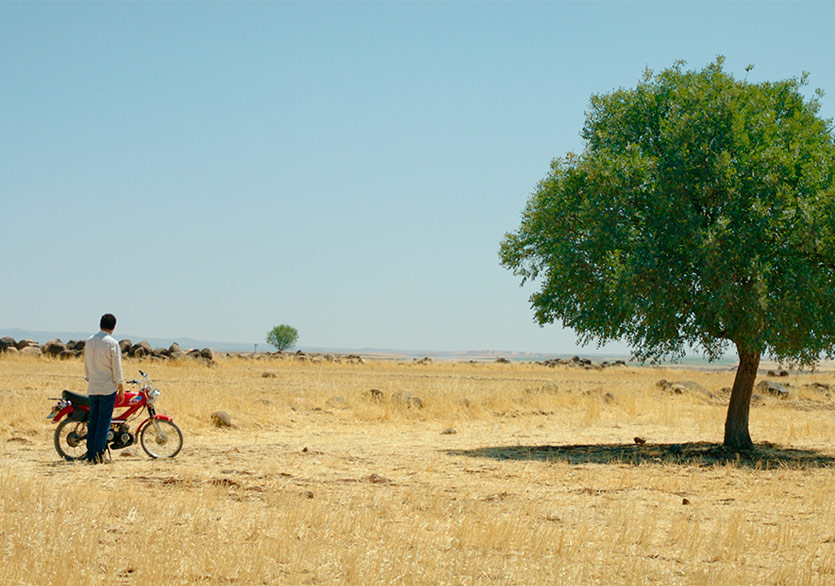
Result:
[152,396]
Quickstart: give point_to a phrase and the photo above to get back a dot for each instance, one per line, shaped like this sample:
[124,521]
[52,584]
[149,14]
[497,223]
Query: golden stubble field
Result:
[318,483]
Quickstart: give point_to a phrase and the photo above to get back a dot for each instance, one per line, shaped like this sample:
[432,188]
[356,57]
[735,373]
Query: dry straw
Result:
[321,481]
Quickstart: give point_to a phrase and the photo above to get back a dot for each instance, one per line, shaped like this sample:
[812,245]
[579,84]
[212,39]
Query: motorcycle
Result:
[158,435]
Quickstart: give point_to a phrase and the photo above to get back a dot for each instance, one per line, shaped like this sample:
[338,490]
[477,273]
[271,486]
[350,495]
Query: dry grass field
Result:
[318,483]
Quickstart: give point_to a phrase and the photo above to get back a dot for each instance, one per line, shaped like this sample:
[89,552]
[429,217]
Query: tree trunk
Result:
[736,424]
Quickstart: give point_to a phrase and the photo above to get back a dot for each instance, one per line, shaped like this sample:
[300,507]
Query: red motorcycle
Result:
[158,435]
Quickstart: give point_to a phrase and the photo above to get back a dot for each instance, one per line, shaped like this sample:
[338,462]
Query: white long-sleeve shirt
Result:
[102,364]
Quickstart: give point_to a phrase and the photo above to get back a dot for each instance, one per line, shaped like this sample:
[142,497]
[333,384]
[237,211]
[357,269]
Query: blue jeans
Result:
[101,410]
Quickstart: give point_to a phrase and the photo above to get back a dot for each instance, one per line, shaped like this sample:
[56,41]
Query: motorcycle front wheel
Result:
[71,439]
[165,442]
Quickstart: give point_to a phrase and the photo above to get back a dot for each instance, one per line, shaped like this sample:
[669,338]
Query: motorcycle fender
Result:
[147,421]
[63,413]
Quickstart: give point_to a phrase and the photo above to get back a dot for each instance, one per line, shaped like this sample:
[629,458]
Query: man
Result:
[103,371]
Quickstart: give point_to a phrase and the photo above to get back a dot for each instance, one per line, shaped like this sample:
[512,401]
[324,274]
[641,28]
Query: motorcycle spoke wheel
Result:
[71,440]
[163,443]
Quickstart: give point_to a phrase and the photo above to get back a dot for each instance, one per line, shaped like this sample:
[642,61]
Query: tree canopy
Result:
[701,214]
[283,337]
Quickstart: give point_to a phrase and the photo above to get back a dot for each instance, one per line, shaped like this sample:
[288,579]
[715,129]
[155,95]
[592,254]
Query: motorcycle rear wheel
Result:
[71,440]
[166,443]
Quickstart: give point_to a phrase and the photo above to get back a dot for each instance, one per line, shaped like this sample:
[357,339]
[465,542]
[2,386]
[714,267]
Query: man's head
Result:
[108,322]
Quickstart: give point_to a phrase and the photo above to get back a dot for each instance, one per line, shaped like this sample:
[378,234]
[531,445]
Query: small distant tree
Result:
[283,337]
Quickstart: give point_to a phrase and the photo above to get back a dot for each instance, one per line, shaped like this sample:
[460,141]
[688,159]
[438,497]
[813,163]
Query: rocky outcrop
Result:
[54,348]
[75,348]
[577,362]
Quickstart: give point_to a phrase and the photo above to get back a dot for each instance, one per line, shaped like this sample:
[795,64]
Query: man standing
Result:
[103,371]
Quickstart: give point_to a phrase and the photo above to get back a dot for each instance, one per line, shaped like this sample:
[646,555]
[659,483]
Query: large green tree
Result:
[700,215]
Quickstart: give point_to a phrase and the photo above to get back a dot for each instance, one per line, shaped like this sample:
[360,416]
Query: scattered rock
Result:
[145,346]
[778,373]
[422,361]
[401,398]
[684,387]
[267,375]
[405,399]
[125,345]
[377,479]
[26,344]
[818,387]
[552,362]
[337,403]
[308,494]
[577,362]
[54,348]
[376,395]
[207,354]
[221,419]
[639,440]
[76,345]
[685,501]
[30,351]
[502,360]
[449,431]
[774,389]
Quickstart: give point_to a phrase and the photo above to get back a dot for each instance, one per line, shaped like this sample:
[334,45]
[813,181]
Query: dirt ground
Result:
[507,474]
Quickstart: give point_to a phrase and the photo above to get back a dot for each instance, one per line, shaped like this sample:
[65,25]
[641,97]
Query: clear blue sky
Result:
[211,170]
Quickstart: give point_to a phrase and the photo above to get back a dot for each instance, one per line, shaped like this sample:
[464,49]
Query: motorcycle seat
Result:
[76,399]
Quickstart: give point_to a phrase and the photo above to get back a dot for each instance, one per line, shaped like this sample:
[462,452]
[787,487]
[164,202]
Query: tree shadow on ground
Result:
[763,456]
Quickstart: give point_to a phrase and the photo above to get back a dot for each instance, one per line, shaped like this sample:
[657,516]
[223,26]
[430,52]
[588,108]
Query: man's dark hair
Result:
[108,322]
